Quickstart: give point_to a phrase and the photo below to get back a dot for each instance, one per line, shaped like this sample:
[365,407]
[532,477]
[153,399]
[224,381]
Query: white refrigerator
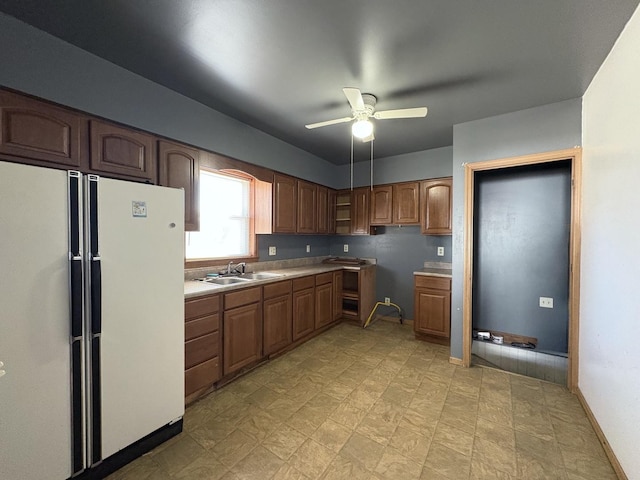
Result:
[91,321]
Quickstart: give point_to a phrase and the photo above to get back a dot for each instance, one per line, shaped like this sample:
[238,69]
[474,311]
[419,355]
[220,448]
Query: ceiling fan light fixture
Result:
[362,128]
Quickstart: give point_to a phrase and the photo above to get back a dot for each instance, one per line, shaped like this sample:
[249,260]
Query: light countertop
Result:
[195,288]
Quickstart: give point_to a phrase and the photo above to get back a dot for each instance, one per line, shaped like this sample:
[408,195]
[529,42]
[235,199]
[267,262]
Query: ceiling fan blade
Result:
[329,122]
[401,113]
[369,138]
[355,98]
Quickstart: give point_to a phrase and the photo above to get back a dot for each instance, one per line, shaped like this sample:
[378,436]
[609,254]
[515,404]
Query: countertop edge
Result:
[434,272]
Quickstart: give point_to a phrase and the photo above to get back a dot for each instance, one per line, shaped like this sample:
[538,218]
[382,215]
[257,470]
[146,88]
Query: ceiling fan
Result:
[362,109]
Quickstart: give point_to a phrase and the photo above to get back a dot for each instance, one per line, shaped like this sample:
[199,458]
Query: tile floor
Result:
[377,404]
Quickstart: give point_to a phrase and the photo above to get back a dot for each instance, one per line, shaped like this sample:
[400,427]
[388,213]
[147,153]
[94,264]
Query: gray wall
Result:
[37,63]
[522,220]
[399,252]
[292,246]
[540,129]
[433,163]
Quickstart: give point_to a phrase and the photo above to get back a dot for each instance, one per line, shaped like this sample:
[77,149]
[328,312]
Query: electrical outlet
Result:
[272,250]
[546,302]
[346,248]
[387,300]
[308,248]
[441,251]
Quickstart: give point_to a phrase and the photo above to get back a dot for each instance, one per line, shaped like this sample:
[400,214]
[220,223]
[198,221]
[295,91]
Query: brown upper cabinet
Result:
[436,199]
[121,151]
[332,201]
[285,194]
[179,167]
[39,131]
[322,217]
[406,203]
[360,211]
[307,221]
[396,204]
[382,205]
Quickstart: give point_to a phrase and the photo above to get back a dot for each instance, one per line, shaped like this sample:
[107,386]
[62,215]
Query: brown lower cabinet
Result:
[303,306]
[202,344]
[432,309]
[277,312]
[324,299]
[242,331]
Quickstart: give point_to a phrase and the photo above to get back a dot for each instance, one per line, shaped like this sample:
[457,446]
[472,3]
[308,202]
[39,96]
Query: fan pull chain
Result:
[351,162]
[372,165]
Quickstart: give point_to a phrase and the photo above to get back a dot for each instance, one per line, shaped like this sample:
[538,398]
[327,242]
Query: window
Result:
[225,218]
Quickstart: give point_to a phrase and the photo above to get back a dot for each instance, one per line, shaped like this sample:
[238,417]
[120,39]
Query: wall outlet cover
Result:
[546,302]
[346,248]
[272,250]
[387,300]
[308,248]
[441,251]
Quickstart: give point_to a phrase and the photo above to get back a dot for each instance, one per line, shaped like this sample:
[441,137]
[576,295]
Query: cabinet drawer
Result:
[242,297]
[304,282]
[201,376]
[437,283]
[277,289]
[323,278]
[201,326]
[200,349]
[201,306]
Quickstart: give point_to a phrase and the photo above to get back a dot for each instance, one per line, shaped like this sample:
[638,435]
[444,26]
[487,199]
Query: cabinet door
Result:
[30,129]
[303,313]
[331,211]
[432,312]
[381,202]
[307,221]
[285,196]
[436,200]
[322,200]
[406,201]
[121,151]
[242,337]
[180,168]
[337,295]
[324,305]
[277,323]
[360,211]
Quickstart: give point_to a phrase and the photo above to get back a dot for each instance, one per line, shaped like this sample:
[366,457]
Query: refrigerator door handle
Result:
[96,296]
[76,297]
[76,288]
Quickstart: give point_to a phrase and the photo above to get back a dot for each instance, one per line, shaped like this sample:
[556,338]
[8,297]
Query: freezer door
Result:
[141,338]
[35,392]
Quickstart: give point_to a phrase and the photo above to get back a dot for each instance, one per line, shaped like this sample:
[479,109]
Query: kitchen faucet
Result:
[234,269]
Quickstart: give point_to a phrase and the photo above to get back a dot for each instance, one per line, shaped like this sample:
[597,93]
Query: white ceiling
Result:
[280,64]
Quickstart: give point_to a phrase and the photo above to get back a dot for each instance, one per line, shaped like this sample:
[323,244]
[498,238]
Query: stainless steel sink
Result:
[227,280]
[260,275]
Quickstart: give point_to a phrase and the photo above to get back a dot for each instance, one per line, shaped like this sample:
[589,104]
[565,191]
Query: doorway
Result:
[484,260]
